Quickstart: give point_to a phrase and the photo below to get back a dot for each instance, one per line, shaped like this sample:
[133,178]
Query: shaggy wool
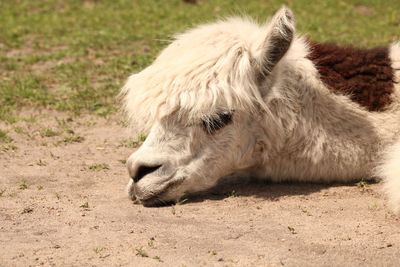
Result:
[365,75]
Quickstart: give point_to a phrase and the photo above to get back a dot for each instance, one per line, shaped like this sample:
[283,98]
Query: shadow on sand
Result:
[264,190]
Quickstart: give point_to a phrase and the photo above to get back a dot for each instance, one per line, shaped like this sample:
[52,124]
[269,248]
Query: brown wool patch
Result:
[365,75]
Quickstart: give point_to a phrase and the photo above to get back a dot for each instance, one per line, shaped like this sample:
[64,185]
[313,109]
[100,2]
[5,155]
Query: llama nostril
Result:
[143,170]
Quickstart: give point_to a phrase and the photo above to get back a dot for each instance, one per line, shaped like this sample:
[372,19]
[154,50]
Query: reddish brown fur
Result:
[365,75]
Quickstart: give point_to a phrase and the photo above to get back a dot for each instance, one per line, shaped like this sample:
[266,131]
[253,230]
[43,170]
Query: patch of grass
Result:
[24,90]
[8,147]
[73,139]
[173,210]
[2,191]
[142,137]
[27,210]
[129,143]
[4,138]
[19,130]
[23,185]
[212,252]
[65,123]
[292,230]
[74,57]
[157,258]
[6,114]
[29,119]
[98,250]
[232,194]
[99,167]
[150,243]
[85,205]
[142,253]
[55,157]
[48,132]
[133,143]
[363,184]
[41,163]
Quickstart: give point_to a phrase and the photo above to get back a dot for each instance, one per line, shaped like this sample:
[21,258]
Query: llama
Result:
[239,99]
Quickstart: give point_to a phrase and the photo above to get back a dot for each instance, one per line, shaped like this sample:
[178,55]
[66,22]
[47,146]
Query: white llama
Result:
[235,98]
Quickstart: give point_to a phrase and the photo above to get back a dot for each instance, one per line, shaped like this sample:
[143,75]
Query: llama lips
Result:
[155,202]
[159,195]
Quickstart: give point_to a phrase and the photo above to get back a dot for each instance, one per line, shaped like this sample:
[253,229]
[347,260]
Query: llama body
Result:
[328,137]
[237,98]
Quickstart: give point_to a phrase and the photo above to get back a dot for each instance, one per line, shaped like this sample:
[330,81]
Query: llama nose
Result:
[142,171]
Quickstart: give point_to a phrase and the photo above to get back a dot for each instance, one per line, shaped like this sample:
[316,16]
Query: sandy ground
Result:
[63,203]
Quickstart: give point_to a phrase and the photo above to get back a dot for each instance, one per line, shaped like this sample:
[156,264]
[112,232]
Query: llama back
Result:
[369,77]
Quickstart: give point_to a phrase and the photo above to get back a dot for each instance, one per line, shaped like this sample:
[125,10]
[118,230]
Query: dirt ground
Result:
[63,203]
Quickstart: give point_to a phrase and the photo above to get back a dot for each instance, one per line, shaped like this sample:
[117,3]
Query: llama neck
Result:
[327,137]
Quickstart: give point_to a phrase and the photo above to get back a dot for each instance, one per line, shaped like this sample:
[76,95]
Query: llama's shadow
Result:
[262,189]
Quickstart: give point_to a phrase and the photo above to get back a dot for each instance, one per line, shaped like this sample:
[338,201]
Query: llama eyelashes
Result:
[212,124]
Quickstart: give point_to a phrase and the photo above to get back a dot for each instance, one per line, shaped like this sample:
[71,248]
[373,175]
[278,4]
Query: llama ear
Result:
[280,34]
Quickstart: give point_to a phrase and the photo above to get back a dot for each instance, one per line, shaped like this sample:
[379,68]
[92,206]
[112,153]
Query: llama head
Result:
[202,103]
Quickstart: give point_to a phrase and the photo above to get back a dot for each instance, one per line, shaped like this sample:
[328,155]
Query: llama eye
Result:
[214,123]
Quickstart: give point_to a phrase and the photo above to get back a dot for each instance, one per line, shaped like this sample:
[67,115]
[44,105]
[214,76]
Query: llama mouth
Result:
[155,202]
[159,198]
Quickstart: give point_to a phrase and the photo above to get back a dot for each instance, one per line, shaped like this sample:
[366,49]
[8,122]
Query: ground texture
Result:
[63,203]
